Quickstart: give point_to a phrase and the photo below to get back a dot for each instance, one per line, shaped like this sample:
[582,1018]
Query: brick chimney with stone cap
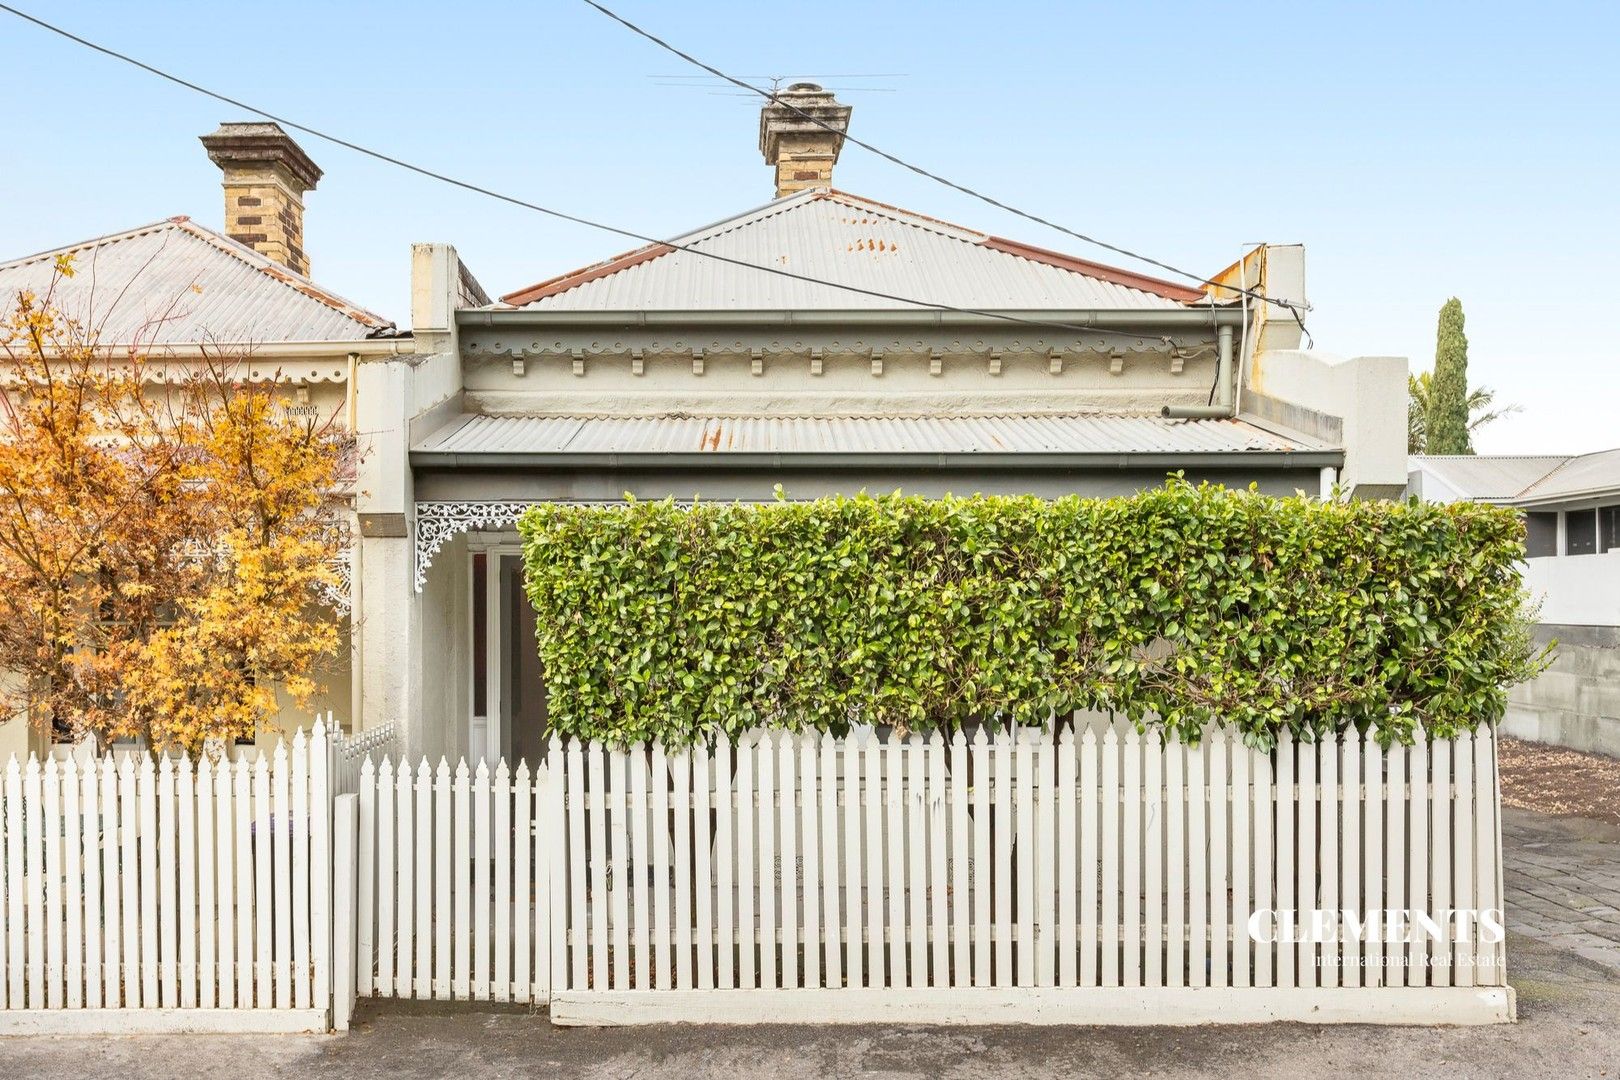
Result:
[266,175]
[802,150]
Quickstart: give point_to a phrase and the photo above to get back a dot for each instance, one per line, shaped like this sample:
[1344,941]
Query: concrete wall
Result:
[1576,702]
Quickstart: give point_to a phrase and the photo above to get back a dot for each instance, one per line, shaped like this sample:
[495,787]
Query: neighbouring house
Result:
[956,361]
[179,291]
[1571,508]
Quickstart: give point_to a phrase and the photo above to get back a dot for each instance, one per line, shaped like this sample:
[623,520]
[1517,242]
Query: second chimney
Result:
[266,175]
[791,138]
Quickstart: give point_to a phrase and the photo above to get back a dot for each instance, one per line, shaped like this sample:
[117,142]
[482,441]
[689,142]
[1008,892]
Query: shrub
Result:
[1177,606]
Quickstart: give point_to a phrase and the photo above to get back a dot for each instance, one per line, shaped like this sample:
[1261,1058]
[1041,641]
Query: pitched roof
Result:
[836,237]
[175,282]
[1585,475]
[1485,477]
[471,437]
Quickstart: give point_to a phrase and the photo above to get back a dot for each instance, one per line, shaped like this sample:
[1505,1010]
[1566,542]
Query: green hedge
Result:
[1193,603]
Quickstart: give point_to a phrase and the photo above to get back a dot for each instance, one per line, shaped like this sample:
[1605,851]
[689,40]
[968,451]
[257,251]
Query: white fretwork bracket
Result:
[437,523]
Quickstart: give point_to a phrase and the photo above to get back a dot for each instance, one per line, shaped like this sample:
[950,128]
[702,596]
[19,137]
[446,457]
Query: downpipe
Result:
[1223,406]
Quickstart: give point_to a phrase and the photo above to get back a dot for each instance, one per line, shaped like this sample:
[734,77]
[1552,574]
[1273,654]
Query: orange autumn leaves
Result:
[167,536]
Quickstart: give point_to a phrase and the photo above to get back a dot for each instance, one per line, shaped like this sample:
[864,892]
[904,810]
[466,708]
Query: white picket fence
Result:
[142,895]
[1084,875]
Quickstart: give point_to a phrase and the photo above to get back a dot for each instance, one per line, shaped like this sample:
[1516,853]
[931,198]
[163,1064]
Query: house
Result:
[821,342]
[1571,508]
[179,291]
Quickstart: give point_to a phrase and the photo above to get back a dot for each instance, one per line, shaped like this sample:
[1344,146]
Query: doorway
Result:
[508,716]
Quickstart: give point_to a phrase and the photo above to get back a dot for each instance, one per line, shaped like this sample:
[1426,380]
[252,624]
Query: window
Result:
[1580,532]
[1541,534]
[1609,528]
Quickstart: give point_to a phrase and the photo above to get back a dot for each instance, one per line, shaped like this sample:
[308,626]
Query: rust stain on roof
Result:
[575,278]
[1128,278]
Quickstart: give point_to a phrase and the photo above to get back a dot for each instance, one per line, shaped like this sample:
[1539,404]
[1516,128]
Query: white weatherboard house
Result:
[956,361]
[1571,507]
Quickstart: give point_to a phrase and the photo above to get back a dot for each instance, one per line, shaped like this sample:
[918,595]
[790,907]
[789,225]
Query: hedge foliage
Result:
[1191,604]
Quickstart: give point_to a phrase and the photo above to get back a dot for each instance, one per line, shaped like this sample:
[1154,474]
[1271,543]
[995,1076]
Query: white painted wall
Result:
[1368,393]
[1576,590]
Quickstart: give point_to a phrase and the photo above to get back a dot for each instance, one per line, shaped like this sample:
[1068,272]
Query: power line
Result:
[548,211]
[920,171]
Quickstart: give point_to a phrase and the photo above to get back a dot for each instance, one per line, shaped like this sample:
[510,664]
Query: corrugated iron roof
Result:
[174,282]
[837,237]
[1585,475]
[473,435]
[1487,477]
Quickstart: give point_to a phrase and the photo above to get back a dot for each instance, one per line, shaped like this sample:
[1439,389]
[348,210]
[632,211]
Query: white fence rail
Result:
[175,895]
[1087,875]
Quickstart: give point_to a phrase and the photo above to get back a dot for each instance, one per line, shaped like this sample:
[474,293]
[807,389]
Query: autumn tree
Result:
[168,540]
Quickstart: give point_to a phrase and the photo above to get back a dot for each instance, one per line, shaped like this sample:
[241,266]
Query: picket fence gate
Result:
[142,895]
[1080,874]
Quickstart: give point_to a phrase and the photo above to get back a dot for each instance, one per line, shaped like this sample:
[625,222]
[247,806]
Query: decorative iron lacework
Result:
[341,595]
[437,523]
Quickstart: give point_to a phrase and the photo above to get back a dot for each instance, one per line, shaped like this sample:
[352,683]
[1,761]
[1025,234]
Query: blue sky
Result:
[1418,150]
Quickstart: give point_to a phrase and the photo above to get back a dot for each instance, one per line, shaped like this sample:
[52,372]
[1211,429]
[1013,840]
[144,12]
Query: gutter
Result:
[364,348]
[1145,320]
[833,460]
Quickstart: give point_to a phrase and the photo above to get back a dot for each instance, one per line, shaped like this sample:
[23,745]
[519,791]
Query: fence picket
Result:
[789,814]
[745,863]
[168,915]
[983,865]
[530,921]
[1263,811]
[726,787]
[1131,854]
[855,802]
[387,850]
[1417,847]
[1090,834]
[37,823]
[681,764]
[298,824]
[894,863]
[500,937]
[1372,886]
[443,903]
[1284,856]
[423,862]
[461,814]
[1001,914]
[938,866]
[663,962]
[1154,843]
[915,799]
[578,942]
[601,899]
[1305,860]
[1350,863]
[481,897]
[831,832]
[1197,865]
[1395,794]
[1067,882]
[242,797]
[73,884]
[1440,861]
[1242,763]
[1327,747]
[1111,858]
[12,841]
[406,873]
[1044,852]
[1462,841]
[111,817]
[207,916]
[264,907]
[638,860]
[765,837]
[703,870]
[813,848]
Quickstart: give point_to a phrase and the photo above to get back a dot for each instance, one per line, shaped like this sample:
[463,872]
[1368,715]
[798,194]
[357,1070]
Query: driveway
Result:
[1563,884]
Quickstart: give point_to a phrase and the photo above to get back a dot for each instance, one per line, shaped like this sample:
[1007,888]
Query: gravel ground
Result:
[1552,780]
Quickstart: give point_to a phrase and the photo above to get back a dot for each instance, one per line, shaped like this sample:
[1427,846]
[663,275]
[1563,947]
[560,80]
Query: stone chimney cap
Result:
[261,143]
[782,116]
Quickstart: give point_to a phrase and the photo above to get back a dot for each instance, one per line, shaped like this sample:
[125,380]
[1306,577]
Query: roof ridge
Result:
[95,241]
[897,215]
[292,279]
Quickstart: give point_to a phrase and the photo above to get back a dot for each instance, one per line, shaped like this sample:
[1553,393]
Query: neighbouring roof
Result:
[1585,475]
[838,237]
[175,282]
[1522,480]
[1486,477]
[469,438]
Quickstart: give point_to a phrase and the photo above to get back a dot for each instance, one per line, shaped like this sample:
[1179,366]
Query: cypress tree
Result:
[1447,420]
